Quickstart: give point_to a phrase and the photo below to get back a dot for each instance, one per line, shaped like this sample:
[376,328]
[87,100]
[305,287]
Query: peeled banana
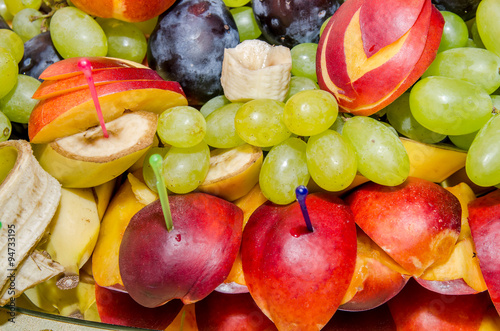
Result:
[72,234]
[256,70]
[29,197]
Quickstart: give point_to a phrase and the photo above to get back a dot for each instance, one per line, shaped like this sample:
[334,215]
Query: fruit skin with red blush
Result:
[188,262]
[297,277]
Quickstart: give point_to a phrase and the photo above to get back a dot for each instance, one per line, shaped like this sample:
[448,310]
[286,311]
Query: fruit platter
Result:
[250,164]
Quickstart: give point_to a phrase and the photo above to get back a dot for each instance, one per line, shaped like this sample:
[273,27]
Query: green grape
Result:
[15,6]
[212,104]
[125,40]
[463,141]
[147,26]
[181,126]
[4,12]
[488,24]
[147,171]
[400,117]
[455,32]
[483,157]
[474,65]
[236,3]
[304,60]
[339,122]
[331,161]
[184,169]
[8,72]
[246,23]
[74,33]
[283,169]
[323,26]
[450,106]
[13,43]
[260,123]
[495,99]
[298,84]
[27,23]
[5,127]
[310,112]
[18,104]
[470,43]
[380,155]
[221,131]
[475,35]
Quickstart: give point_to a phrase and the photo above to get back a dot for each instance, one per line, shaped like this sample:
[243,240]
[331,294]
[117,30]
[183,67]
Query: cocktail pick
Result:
[85,66]
[155,161]
[301,194]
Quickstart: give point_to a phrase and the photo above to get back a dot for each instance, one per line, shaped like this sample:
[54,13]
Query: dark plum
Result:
[466,9]
[292,22]
[188,45]
[39,53]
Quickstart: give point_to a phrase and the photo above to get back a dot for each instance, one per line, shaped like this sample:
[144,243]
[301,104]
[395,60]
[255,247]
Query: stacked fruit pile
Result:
[329,164]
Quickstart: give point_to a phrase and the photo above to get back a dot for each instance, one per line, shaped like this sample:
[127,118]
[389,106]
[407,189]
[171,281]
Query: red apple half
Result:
[371,52]
[297,277]
[188,262]
[74,112]
[484,221]
[417,223]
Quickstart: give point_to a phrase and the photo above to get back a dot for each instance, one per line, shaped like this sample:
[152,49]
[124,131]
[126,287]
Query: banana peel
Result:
[233,171]
[131,197]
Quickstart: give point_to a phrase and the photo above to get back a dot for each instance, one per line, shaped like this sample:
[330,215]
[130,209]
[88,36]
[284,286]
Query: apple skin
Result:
[69,67]
[75,112]
[186,263]
[367,67]
[416,308]
[298,278]
[417,223]
[484,221]
[447,287]
[228,312]
[125,10]
[51,88]
[119,308]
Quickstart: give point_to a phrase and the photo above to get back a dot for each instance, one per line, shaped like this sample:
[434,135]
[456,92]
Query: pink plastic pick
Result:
[85,66]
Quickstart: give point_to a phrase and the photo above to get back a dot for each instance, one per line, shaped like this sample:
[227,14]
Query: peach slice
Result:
[69,67]
[417,223]
[74,112]
[52,88]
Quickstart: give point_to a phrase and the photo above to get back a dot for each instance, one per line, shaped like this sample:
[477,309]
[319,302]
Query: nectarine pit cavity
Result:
[301,194]
[85,66]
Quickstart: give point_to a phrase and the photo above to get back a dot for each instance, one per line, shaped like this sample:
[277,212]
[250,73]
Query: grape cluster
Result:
[306,137]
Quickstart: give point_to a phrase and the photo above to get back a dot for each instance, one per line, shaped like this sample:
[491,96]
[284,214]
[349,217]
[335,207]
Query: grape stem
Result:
[301,194]
[155,161]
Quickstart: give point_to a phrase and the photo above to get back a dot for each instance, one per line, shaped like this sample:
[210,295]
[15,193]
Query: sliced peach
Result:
[52,88]
[69,67]
[75,112]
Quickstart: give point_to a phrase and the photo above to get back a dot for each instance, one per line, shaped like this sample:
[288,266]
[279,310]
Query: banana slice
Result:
[233,172]
[87,159]
[256,70]
[29,197]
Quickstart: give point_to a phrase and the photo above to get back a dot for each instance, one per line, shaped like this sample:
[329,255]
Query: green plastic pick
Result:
[155,161]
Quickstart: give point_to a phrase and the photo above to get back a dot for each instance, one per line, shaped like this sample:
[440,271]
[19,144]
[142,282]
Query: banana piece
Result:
[29,197]
[74,302]
[88,159]
[35,269]
[256,70]
[233,172]
[72,234]
[103,194]
[434,162]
